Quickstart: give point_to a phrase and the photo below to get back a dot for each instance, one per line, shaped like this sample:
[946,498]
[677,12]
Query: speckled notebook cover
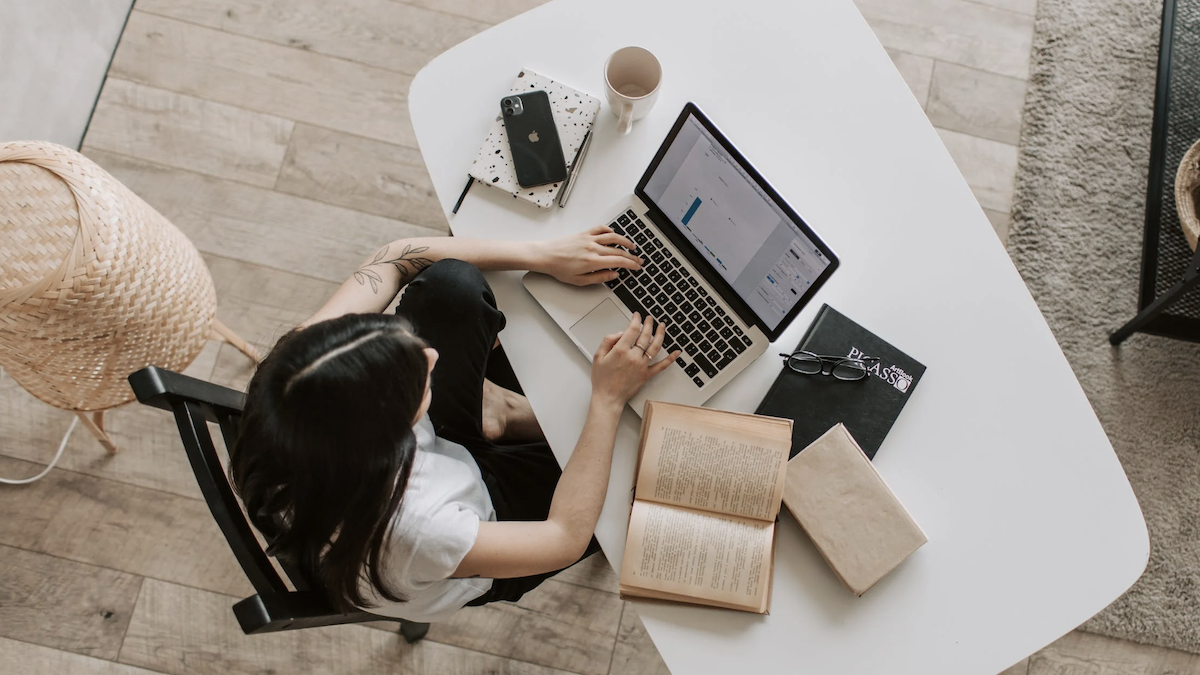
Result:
[574,111]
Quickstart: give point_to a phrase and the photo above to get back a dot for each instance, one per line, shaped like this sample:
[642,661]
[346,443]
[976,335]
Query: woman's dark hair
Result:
[326,444]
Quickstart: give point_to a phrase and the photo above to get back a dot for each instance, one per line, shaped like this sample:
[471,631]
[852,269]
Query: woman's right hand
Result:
[623,363]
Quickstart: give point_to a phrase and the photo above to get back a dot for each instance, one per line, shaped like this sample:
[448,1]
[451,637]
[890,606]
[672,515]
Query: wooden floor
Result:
[275,133]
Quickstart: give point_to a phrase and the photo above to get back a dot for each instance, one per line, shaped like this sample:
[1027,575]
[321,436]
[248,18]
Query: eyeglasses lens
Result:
[849,370]
[804,363]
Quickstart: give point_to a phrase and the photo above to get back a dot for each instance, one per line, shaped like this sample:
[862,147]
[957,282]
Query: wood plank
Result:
[381,33]
[182,630]
[259,226]
[990,167]
[151,454]
[360,173]
[264,77]
[1020,6]
[202,367]
[189,133]
[261,304]
[1019,668]
[976,102]
[118,526]
[1000,223]
[22,657]
[593,572]
[558,625]
[917,72]
[489,11]
[1078,652]
[958,31]
[635,653]
[63,604]
[233,372]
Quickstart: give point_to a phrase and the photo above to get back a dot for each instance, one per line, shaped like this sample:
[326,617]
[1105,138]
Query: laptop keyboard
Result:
[703,331]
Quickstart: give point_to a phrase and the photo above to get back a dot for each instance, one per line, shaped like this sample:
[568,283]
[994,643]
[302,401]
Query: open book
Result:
[708,488]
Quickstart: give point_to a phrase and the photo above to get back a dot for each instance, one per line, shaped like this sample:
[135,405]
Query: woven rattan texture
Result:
[1183,129]
[1187,189]
[94,283]
[51,235]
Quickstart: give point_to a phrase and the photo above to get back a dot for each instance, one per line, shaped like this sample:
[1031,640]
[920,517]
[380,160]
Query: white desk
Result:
[1032,524]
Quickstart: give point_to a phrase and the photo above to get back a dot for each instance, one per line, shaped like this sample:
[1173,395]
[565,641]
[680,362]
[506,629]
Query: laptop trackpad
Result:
[605,319]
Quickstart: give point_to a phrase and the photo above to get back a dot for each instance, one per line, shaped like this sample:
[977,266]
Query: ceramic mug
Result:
[632,78]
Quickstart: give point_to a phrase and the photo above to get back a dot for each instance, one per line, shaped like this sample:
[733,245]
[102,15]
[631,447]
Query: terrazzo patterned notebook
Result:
[574,112]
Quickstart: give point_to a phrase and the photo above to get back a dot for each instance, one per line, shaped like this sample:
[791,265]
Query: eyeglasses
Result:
[839,367]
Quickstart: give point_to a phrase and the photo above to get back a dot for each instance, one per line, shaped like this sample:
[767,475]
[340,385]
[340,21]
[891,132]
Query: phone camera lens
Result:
[508,111]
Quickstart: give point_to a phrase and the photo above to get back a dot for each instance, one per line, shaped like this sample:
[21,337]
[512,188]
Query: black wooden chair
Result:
[195,403]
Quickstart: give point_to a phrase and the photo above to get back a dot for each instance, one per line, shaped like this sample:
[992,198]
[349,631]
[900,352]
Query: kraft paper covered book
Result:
[708,488]
[844,506]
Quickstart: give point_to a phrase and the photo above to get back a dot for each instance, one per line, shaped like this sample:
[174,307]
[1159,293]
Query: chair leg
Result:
[413,631]
[95,424]
[234,339]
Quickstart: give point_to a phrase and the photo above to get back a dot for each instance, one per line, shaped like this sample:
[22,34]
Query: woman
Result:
[393,459]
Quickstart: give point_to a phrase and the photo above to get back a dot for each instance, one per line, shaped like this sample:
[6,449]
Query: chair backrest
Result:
[195,403]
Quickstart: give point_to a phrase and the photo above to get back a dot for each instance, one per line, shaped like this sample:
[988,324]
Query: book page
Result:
[702,556]
[714,460]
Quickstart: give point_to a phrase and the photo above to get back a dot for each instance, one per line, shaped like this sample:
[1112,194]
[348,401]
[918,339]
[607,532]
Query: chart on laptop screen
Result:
[739,229]
[718,209]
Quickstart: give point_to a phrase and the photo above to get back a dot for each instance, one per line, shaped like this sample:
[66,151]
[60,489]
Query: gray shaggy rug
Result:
[1076,239]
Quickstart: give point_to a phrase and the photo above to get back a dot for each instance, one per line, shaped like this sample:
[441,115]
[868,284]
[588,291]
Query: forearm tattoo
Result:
[408,264]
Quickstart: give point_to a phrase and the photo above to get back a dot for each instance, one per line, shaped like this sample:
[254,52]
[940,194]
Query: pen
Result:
[470,181]
[576,164]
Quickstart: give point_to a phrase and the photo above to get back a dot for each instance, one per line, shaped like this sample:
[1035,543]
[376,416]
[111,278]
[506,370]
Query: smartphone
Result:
[533,138]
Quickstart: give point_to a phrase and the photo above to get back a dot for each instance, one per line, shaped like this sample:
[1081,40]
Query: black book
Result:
[868,407]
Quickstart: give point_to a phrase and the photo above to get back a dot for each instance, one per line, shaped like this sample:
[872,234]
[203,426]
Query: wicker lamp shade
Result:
[94,283]
[1187,194]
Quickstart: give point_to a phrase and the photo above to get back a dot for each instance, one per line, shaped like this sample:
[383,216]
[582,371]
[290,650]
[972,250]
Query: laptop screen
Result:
[737,224]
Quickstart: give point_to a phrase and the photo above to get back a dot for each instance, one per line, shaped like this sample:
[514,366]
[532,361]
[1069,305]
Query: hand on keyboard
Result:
[625,361]
[665,289]
[586,258]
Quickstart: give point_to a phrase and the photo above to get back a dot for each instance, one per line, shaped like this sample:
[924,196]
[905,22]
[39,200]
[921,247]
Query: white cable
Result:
[58,455]
[61,446]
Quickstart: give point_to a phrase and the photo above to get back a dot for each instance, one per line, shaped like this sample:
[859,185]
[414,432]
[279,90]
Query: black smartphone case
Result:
[533,138]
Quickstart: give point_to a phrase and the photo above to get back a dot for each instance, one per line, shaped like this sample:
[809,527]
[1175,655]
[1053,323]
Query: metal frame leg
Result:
[1191,278]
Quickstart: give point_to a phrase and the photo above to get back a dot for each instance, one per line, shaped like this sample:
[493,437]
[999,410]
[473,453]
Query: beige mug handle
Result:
[625,121]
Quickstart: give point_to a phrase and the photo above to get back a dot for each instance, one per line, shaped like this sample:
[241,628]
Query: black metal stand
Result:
[1191,279]
[1169,288]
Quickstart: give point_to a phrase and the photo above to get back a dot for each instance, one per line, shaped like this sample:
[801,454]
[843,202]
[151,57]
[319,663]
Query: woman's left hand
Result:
[586,258]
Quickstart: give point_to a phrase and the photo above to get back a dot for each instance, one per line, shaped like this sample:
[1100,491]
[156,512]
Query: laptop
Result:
[728,265]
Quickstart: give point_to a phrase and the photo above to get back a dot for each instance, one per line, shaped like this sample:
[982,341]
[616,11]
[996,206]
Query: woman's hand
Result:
[519,548]
[622,364]
[586,258]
